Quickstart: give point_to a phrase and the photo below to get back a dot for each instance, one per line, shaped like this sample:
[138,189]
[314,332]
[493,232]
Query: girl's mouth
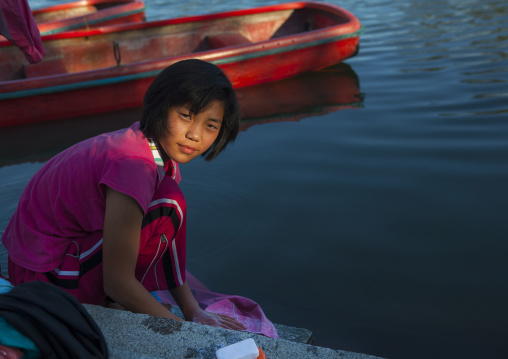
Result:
[187,149]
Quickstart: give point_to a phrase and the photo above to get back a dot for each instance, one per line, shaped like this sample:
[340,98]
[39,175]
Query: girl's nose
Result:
[193,133]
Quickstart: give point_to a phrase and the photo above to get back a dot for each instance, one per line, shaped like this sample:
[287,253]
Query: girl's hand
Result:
[217,320]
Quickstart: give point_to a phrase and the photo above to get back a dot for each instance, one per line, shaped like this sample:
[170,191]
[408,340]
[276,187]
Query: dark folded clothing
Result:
[54,320]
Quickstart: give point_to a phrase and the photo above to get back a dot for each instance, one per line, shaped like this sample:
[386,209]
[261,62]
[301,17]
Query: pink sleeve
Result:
[134,177]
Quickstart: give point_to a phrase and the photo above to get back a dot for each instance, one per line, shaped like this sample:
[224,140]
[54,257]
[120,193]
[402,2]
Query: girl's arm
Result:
[122,228]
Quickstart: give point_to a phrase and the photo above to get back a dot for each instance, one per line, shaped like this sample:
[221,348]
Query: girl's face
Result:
[188,136]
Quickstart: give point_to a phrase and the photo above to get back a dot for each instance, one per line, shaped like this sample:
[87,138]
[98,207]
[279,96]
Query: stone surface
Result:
[299,335]
[142,336]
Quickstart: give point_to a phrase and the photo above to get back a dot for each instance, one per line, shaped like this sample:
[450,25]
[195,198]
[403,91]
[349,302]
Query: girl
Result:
[106,218]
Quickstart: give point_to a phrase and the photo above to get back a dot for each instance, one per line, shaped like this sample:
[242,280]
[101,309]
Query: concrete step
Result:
[142,336]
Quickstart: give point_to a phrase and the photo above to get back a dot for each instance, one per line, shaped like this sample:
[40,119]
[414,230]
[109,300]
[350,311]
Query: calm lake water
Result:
[367,202]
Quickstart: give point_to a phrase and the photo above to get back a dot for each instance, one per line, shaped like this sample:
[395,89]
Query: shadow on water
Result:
[320,92]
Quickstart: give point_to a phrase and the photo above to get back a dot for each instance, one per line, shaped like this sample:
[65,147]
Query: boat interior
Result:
[123,48]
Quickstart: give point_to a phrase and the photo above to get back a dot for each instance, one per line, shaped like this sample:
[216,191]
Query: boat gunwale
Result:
[120,9]
[79,3]
[116,12]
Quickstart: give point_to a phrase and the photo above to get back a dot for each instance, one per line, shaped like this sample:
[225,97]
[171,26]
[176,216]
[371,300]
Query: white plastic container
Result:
[246,349]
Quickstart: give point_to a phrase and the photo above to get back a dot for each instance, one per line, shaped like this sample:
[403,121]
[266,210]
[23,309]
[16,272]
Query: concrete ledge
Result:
[299,335]
[142,336]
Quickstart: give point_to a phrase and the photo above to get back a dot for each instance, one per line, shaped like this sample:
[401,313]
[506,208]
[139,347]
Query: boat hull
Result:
[311,94]
[68,95]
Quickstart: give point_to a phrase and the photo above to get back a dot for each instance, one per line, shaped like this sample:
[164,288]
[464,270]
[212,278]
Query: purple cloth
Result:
[243,309]
[18,26]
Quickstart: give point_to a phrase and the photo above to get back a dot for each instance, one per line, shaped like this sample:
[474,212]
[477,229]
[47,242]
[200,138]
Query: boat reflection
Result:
[311,94]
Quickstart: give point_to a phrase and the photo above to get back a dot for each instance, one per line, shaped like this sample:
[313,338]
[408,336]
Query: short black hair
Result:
[195,83]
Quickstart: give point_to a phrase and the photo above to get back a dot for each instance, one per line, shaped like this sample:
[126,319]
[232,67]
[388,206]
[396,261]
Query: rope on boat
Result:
[117,53]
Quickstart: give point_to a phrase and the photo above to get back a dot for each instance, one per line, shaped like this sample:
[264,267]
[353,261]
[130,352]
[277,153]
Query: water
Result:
[380,223]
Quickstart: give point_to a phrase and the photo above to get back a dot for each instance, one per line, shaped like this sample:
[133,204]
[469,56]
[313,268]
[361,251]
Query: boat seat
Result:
[226,40]
[45,68]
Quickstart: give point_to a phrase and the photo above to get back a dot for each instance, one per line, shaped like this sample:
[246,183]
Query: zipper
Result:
[163,240]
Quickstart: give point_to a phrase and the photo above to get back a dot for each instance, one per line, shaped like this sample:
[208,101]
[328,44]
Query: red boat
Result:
[311,94]
[87,14]
[110,68]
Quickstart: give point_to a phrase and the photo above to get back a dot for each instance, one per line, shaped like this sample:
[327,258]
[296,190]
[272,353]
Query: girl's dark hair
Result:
[195,83]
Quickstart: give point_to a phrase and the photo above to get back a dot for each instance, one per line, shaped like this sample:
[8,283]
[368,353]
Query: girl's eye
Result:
[185,115]
[213,127]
